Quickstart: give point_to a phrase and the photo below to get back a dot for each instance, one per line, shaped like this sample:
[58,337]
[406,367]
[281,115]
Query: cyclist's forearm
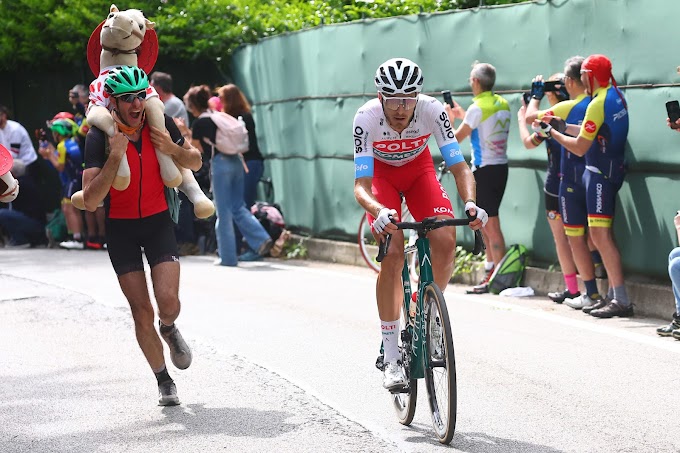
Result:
[465,182]
[364,196]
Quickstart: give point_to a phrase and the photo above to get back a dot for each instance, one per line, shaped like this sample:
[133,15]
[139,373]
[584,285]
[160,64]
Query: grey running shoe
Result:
[667,331]
[167,394]
[180,353]
[599,303]
[579,302]
[395,377]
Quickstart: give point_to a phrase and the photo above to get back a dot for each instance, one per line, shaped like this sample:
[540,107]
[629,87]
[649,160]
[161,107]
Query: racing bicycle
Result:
[426,339]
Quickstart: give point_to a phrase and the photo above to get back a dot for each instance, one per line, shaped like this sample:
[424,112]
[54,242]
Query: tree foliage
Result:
[35,31]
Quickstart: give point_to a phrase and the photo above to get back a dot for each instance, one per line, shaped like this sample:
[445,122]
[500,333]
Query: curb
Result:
[650,299]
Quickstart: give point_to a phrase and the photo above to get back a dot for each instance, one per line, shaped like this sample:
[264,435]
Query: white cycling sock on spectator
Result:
[488,265]
[390,337]
[77,237]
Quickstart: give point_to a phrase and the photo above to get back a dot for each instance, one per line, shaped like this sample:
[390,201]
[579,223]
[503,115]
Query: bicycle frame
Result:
[416,326]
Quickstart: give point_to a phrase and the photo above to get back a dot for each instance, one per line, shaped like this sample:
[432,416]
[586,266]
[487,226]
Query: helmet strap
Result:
[124,127]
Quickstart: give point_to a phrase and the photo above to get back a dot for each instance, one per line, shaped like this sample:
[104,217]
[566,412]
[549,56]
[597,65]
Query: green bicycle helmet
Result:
[62,127]
[125,79]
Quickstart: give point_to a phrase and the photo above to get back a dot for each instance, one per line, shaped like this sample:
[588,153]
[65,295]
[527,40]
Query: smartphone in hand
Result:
[447,98]
[673,109]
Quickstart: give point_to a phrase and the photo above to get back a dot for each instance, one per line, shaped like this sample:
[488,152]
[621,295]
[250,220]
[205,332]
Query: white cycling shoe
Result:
[395,377]
[579,302]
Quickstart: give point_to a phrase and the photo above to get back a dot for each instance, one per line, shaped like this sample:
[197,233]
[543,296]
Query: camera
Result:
[40,134]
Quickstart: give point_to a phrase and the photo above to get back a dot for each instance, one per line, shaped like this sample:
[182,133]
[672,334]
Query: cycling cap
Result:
[599,67]
[63,115]
[62,127]
[126,79]
[399,76]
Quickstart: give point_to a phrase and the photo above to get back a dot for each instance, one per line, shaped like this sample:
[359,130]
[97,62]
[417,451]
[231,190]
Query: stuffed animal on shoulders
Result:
[127,38]
[9,187]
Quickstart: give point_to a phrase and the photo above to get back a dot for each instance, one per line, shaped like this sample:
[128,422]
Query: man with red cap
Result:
[602,140]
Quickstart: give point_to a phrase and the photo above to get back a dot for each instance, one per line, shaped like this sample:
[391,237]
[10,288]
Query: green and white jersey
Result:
[489,119]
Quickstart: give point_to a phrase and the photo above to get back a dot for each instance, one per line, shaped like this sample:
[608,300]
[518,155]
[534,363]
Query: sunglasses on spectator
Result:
[395,103]
[130,97]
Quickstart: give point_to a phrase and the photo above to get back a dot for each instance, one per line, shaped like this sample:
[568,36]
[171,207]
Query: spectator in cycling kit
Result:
[552,184]
[487,123]
[572,191]
[67,159]
[602,139]
[391,157]
[138,217]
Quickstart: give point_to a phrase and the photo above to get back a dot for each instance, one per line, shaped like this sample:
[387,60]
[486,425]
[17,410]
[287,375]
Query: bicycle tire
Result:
[364,236]
[405,403]
[440,370]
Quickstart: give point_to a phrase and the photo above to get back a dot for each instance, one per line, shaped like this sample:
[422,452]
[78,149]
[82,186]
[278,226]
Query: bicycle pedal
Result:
[405,389]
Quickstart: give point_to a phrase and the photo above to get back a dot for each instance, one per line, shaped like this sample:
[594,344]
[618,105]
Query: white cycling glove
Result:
[481,213]
[383,219]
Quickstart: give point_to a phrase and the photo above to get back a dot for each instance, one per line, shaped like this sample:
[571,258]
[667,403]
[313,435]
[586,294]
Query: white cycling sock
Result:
[488,265]
[390,337]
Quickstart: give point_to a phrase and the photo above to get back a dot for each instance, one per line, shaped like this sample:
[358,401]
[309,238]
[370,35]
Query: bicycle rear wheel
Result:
[405,403]
[440,370]
[367,244]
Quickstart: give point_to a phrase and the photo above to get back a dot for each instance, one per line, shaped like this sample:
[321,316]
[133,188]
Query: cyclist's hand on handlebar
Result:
[383,223]
[482,216]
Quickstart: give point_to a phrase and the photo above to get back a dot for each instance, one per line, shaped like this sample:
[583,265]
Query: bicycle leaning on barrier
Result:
[426,340]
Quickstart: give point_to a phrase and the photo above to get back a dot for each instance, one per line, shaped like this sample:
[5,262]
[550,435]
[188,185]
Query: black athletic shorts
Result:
[125,239]
[552,203]
[491,181]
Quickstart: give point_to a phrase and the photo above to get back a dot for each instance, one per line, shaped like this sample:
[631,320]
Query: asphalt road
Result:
[283,361]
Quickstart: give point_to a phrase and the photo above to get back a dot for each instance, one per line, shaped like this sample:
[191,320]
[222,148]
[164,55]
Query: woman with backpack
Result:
[227,181]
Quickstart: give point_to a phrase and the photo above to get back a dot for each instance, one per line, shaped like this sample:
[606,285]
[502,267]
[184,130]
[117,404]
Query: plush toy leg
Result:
[101,118]
[203,207]
[78,201]
[169,172]
[9,188]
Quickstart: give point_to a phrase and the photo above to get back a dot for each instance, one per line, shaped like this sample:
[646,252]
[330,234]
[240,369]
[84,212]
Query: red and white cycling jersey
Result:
[375,139]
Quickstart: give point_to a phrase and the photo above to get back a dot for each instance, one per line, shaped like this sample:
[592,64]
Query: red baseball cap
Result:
[600,67]
[147,52]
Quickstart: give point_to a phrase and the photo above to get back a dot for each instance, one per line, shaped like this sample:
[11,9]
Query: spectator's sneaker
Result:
[72,245]
[265,247]
[250,256]
[599,303]
[167,394]
[579,302]
[394,375]
[180,353]
[667,331]
[676,334]
[558,297]
[613,308]
[93,245]
[483,286]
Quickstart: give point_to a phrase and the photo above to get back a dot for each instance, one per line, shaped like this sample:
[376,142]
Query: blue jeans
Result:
[21,228]
[255,172]
[227,181]
[674,273]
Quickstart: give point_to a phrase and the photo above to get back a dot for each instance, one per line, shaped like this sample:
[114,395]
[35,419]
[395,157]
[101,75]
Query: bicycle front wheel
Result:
[405,402]
[440,370]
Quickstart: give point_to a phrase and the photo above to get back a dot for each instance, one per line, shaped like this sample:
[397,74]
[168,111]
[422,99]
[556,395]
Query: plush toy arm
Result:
[101,118]
[154,114]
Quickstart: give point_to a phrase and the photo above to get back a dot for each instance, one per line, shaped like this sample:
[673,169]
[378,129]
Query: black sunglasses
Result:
[130,97]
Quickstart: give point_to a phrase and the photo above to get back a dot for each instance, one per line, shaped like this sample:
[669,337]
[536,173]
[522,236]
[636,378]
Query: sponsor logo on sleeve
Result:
[590,126]
[448,131]
[358,139]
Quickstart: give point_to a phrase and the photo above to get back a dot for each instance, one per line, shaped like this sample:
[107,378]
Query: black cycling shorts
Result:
[491,181]
[552,203]
[125,239]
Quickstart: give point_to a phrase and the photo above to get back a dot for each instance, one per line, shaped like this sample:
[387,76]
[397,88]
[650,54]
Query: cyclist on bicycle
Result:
[392,158]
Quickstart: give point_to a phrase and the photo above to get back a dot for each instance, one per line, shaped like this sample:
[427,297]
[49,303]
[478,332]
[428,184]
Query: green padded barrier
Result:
[306,87]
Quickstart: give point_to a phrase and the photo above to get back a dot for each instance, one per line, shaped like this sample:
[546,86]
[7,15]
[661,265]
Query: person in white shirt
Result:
[15,138]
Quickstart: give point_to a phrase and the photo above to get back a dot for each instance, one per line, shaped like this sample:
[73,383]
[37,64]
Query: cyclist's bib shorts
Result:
[126,237]
[417,180]
[573,207]
[552,205]
[600,198]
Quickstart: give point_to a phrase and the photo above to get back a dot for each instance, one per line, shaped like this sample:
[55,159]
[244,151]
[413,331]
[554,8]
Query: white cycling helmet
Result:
[399,76]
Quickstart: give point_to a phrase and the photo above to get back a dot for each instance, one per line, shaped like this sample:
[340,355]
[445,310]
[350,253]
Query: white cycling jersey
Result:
[375,139]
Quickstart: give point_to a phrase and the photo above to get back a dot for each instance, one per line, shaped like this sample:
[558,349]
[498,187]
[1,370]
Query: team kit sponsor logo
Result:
[358,140]
[447,130]
[590,126]
[400,149]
